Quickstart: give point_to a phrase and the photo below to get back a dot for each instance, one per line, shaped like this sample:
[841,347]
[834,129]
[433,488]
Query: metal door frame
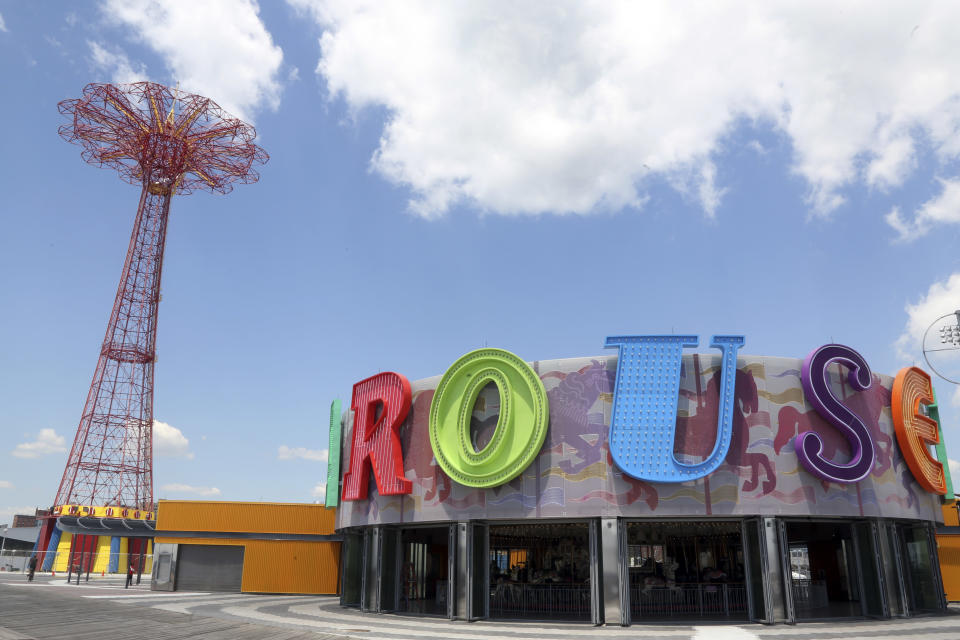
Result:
[859,567]
[397,561]
[878,567]
[472,578]
[452,570]
[895,542]
[626,616]
[363,568]
[596,572]
[587,522]
[790,612]
[907,571]
[767,617]
[877,554]
[785,560]
[344,552]
[451,561]
[373,534]
[935,563]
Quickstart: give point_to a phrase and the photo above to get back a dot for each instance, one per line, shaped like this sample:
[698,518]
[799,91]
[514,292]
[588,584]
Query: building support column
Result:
[775,577]
[370,595]
[893,573]
[464,554]
[609,564]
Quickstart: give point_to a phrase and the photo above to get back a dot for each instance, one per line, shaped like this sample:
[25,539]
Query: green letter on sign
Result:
[333,459]
[521,426]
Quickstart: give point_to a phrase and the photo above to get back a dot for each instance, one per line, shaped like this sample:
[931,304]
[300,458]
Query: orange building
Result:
[246,546]
[948,545]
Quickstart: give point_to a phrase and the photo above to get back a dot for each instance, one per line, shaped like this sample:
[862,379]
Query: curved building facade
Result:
[656,484]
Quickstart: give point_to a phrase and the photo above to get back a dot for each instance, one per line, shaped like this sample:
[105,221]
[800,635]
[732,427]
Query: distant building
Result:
[256,547]
[29,521]
[18,538]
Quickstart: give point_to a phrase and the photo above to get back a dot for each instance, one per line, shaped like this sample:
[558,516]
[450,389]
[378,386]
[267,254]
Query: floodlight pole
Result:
[923,345]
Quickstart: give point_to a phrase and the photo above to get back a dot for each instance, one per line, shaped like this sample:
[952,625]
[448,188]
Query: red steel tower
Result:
[169,142]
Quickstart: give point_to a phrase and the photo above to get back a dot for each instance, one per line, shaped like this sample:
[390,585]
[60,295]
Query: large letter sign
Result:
[915,430]
[521,425]
[333,459]
[816,388]
[375,440]
[644,422]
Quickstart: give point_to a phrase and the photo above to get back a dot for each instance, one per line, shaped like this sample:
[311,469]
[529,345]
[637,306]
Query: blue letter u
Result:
[644,422]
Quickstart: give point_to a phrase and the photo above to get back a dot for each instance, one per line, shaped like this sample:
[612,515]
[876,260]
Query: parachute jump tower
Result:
[168,142]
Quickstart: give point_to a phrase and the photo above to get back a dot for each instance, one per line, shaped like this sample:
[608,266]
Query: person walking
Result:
[129,575]
[32,565]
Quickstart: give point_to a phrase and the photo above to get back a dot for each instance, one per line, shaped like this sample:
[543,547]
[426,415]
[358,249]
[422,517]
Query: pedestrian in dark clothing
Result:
[129,575]
[32,565]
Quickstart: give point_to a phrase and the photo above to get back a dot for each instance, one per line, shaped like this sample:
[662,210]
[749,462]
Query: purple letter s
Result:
[816,387]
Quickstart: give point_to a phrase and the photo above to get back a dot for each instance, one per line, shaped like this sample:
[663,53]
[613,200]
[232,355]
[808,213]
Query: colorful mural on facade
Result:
[574,475]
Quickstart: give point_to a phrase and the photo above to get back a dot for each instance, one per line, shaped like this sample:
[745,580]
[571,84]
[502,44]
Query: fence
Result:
[705,600]
[509,600]
[809,596]
[88,563]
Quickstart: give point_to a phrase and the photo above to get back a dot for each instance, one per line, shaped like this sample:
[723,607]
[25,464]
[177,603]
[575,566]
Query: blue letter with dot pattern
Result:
[644,422]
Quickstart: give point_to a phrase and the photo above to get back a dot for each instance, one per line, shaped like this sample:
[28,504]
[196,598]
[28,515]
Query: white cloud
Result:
[191,490]
[116,64]
[942,208]
[168,441]
[954,469]
[3,25]
[218,48]
[572,106]
[47,442]
[707,191]
[941,298]
[6,484]
[319,491]
[289,453]
[955,400]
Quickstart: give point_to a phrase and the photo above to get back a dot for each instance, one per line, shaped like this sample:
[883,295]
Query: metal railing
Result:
[79,564]
[705,600]
[511,600]
[14,560]
[809,595]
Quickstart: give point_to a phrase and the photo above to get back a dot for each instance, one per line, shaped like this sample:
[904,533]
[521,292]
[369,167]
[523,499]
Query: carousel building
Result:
[649,484]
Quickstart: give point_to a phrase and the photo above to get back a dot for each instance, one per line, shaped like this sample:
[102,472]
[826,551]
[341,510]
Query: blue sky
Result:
[448,177]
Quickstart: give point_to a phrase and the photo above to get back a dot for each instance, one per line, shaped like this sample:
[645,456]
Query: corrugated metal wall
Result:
[951,517]
[948,548]
[282,566]
[247,517]
[291,567]
[269,566]
[949,551]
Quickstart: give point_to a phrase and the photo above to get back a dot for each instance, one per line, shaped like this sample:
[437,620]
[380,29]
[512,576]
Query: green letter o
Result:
[521,425]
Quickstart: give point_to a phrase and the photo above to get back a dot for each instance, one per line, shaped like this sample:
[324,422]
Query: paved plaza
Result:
[103,610]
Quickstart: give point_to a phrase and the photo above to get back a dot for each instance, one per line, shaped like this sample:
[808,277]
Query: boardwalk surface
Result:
[103,610]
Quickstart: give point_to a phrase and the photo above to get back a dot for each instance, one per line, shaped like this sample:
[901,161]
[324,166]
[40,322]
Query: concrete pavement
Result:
[103,610]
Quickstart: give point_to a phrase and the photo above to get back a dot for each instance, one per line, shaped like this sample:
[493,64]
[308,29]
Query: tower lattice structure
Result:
[168,142]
